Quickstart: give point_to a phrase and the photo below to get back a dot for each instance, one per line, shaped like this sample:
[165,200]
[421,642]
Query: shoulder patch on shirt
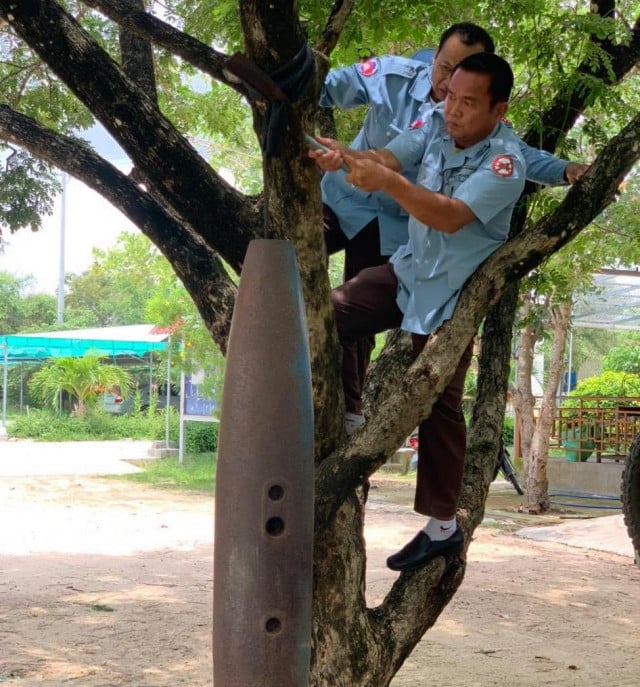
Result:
[502,165]
[368,67]
[417,123]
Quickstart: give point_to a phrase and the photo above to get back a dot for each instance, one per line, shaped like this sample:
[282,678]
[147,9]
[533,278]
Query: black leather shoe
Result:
[421,549]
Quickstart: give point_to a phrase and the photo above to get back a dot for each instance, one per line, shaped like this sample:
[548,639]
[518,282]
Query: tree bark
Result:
[523,399]
[536,478]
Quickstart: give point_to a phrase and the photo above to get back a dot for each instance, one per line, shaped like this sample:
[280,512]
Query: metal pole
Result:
[570,360]
[63,221]
[168,403]
[21,386]
[3,431]
[181,435]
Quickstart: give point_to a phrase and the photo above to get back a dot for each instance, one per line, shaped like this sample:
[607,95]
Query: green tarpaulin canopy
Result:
[133,340]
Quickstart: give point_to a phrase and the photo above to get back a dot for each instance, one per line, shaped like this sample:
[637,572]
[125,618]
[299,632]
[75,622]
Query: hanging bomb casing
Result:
[263,556]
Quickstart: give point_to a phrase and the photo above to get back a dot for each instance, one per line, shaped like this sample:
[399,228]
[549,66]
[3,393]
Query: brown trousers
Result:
[362,251]
[367,305]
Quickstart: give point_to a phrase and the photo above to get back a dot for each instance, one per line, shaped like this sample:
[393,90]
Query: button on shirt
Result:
[396,89]
[488,177]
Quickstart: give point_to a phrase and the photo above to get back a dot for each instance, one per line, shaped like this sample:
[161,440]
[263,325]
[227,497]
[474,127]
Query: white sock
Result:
[439,530]
[351,422]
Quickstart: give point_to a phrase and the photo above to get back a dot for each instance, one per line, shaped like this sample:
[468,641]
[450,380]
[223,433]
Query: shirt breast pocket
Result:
[456,177]
[430,178]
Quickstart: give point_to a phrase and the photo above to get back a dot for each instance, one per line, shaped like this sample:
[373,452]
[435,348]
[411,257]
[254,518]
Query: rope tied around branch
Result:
[279,89]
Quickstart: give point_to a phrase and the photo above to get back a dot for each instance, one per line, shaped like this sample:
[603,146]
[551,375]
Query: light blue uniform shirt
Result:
[396,89]
[488,177]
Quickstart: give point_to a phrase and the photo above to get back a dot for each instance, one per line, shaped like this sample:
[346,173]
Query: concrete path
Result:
[24,458]
[607,533]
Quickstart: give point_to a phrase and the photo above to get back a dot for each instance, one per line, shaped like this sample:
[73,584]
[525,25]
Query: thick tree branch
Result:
[340,12]
[412,397]
[180,176]
[149,27]
[408,610]
[196,264]
[137,57]
[570,103]
[275,43]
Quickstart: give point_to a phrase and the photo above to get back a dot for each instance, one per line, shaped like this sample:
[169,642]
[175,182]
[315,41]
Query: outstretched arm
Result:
[549,170]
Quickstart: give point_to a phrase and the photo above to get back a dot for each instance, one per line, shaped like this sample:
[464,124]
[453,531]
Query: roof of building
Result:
[614,305]
[132,340]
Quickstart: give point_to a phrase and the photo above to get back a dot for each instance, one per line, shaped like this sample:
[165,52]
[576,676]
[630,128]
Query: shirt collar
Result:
[453,156]
[421,87]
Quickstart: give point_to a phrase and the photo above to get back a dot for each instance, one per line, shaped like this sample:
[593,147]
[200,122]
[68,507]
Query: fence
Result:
[604,425]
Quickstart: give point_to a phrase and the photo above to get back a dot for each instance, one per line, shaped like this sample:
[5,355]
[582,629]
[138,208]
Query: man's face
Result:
[468,113]
[452,52]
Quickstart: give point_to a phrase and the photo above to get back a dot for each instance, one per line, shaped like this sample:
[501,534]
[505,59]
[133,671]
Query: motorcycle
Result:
[503,465]
[506,467]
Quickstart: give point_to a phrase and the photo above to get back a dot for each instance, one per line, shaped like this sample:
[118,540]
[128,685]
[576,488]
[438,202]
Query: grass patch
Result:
[195,473]
[96,425]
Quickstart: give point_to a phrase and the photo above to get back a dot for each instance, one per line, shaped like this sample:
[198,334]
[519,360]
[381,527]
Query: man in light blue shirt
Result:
[400,92]
[470,172]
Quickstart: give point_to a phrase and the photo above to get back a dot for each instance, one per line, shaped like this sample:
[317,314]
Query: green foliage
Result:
[10,305]
[27,190]
[623,359]
[606,384]
[39,311]
[201,437]
[84,379]
[45,425]
[508,431]
[23,312]
[119,283]
[96,425]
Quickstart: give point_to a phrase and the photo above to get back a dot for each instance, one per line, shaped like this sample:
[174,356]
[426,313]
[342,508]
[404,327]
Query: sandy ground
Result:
[106,583]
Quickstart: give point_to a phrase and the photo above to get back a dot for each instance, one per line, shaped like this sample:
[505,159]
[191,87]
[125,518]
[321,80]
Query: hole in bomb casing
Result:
[276,492]
[275,526]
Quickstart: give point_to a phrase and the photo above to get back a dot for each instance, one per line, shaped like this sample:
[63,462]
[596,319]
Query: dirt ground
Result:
[106,583]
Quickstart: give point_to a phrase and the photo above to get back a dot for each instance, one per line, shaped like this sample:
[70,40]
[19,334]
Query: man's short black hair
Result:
[498,69]
[469,34]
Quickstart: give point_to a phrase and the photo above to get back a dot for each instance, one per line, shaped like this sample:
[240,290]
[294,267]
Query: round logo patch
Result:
[368,68]
[502,165]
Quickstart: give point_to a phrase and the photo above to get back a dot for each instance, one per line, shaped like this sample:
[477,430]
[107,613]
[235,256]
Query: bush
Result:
[508,431]
[605,384]
[201,437]
[623,359]
[46,425]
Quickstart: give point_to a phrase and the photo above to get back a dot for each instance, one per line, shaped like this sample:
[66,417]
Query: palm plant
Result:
[84,379]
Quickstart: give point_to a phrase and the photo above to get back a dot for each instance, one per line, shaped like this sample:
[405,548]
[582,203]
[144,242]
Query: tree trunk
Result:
[536,478]
[523,399]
